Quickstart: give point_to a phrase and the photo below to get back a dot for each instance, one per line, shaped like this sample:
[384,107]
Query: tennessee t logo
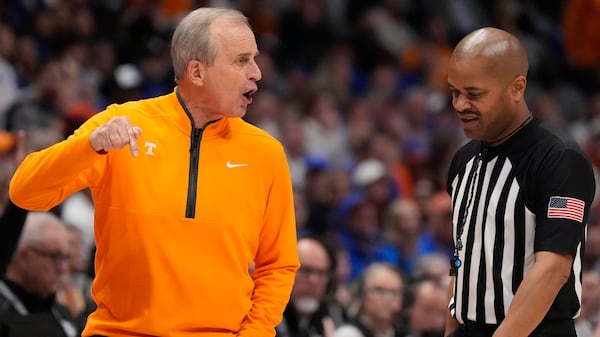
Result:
[149,148]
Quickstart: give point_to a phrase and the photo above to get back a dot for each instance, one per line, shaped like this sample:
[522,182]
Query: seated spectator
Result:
[433,266]
[402,226]
[372,178]
[360,234]
[27,291]
[320,195]
[312,312]
[437,236]
[426,307]
[40,104]
[377,304]
[342,291]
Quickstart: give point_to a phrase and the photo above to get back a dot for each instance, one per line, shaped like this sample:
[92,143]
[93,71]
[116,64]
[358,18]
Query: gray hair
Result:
[36,225]
[192,38]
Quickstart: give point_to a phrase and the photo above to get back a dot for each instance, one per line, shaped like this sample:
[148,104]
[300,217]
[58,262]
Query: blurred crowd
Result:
[356,92]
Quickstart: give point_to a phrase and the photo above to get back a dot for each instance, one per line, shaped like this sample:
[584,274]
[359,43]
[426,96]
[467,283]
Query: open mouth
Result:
[248,94]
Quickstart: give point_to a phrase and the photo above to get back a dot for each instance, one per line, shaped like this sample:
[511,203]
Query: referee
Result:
[521,195]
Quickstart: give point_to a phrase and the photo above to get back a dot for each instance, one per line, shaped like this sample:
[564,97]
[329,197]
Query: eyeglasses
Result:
[55,256]
[308,271]
[382,291]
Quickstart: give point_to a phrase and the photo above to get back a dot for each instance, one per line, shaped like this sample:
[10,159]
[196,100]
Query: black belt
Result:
[476,329]
[555,327]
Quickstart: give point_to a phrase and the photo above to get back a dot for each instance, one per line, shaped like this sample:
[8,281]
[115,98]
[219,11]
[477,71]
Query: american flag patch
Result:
[566,208]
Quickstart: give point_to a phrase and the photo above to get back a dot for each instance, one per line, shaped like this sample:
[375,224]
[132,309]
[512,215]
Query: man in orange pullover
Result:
[188,196]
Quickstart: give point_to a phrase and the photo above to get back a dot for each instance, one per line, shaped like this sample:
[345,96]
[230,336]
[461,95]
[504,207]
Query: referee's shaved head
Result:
[504,53]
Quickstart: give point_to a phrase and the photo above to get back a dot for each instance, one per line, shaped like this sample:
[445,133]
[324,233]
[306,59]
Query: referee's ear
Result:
[517,88]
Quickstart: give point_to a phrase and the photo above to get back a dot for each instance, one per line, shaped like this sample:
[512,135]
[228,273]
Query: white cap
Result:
[367,172]
[128,76]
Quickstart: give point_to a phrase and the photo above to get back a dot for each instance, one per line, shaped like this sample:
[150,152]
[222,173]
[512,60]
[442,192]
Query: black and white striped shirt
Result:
[513,191]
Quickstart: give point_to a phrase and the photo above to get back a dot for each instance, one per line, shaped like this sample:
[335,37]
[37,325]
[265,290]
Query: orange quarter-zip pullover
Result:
[178,226]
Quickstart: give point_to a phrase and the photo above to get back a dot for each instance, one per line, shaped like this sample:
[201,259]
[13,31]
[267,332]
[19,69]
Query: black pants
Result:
[554,328]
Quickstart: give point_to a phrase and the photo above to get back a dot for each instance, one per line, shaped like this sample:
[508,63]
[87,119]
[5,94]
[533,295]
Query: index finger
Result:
[134,133]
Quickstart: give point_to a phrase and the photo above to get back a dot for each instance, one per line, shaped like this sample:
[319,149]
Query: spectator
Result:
[28,305]
[312,311]
[426,308]
[304,34]
[432,266]
[377,304]
[318,194]
[437,234]
[360,233]
[402,226]
[40,105]
[325,132]
[372,179]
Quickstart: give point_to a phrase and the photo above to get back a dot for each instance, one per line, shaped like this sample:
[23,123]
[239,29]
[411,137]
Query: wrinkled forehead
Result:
[235,37]
[54,239]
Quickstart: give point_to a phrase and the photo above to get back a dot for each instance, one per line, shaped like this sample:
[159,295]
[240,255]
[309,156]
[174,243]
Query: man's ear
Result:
[195,72]
[518,88]
[20,252]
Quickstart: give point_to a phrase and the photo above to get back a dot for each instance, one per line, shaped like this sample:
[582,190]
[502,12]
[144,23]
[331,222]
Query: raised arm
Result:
[45,178]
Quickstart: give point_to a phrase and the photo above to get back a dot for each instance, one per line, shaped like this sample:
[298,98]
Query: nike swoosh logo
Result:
[230,165]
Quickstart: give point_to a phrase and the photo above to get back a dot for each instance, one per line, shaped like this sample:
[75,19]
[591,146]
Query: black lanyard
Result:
[455,261]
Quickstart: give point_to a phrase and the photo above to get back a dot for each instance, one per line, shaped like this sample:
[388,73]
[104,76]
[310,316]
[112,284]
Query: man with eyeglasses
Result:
[311,311]
[27,291]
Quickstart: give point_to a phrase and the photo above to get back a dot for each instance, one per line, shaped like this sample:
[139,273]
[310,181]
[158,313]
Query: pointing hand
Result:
[115,134]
